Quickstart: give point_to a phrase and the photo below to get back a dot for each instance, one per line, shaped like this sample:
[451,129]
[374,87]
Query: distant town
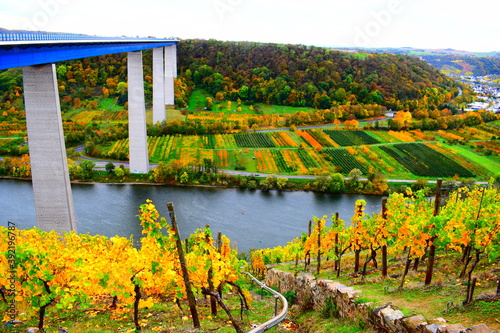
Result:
[488,93]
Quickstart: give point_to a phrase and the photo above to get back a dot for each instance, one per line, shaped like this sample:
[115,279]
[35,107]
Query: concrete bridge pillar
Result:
[170,73]
[174,59]
[49,166]
[158,86]
[138,146]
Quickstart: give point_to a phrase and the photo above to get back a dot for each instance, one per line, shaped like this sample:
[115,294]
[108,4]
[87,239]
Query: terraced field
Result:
[395,154]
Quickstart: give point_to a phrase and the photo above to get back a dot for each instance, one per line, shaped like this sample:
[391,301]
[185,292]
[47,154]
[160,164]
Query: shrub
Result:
[290,296]
[329,308]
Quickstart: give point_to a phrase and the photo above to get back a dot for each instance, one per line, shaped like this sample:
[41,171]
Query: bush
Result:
[329,308]
[290,296]
[252,184]
[239,167]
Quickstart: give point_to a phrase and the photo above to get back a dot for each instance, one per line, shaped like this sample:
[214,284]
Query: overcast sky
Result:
[459,24]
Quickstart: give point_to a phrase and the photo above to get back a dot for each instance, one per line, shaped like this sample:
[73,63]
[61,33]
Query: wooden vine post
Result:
[337,250]
[213,300]
[432,247]
[357,252]
[319,247]
[307,257]
[185,274]
[384,247]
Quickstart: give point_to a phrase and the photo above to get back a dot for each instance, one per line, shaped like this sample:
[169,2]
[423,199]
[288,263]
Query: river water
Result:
[251,219]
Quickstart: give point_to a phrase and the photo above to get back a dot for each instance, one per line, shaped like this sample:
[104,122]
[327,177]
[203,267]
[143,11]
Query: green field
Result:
[486,162]
[198,97]
[109,104]
[285,152]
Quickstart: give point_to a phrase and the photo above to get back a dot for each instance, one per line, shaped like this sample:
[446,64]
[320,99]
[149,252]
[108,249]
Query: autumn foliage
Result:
[77,270]
[468,223]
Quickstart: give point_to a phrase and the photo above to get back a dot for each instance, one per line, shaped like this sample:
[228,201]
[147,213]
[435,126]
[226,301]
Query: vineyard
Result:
[351,138]
[72,271]
[344,160]
[8,129]
[56,274]
[468,219]
[253,140]
[493,146]
[416,236]
[102,116]
[236,119]
[424,161]
[397,154]
[304,151]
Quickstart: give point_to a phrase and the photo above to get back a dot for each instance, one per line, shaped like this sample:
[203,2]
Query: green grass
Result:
[109,104]
[197,103]
[281,109]
[314,322]
[171,115]
[486,162]
[174,114]
[245,158]
[430,301]
[361,56]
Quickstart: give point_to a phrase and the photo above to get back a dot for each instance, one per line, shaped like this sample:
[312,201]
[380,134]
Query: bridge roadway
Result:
[37,54]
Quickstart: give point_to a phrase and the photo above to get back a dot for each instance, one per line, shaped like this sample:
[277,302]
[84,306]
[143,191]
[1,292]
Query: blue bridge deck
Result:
[19,50]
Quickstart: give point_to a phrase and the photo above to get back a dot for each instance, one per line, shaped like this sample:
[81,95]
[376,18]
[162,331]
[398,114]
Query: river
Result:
[251,219]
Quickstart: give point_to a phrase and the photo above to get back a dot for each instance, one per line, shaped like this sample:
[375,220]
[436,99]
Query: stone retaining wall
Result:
[312,293]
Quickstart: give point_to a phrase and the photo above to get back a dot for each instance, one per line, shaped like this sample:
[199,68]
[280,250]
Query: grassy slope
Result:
[431,301]
[171,115]
[197,103]
[484,161]
[109,104]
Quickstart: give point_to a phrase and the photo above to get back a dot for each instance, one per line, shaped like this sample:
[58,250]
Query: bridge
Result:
[37,54]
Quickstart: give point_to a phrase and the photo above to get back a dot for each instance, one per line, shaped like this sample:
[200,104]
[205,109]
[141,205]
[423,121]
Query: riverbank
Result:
[320,184]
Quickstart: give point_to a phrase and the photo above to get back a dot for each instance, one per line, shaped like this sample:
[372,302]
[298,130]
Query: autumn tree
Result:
[208,103]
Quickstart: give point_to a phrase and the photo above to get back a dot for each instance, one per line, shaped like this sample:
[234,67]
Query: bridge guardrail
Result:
[19,37]
[278,317]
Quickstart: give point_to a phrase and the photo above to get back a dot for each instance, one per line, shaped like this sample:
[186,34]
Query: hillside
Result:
[299,75]
[465,65]
[450,61]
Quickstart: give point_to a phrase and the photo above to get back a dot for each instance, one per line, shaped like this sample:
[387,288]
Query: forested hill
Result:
[301,75]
